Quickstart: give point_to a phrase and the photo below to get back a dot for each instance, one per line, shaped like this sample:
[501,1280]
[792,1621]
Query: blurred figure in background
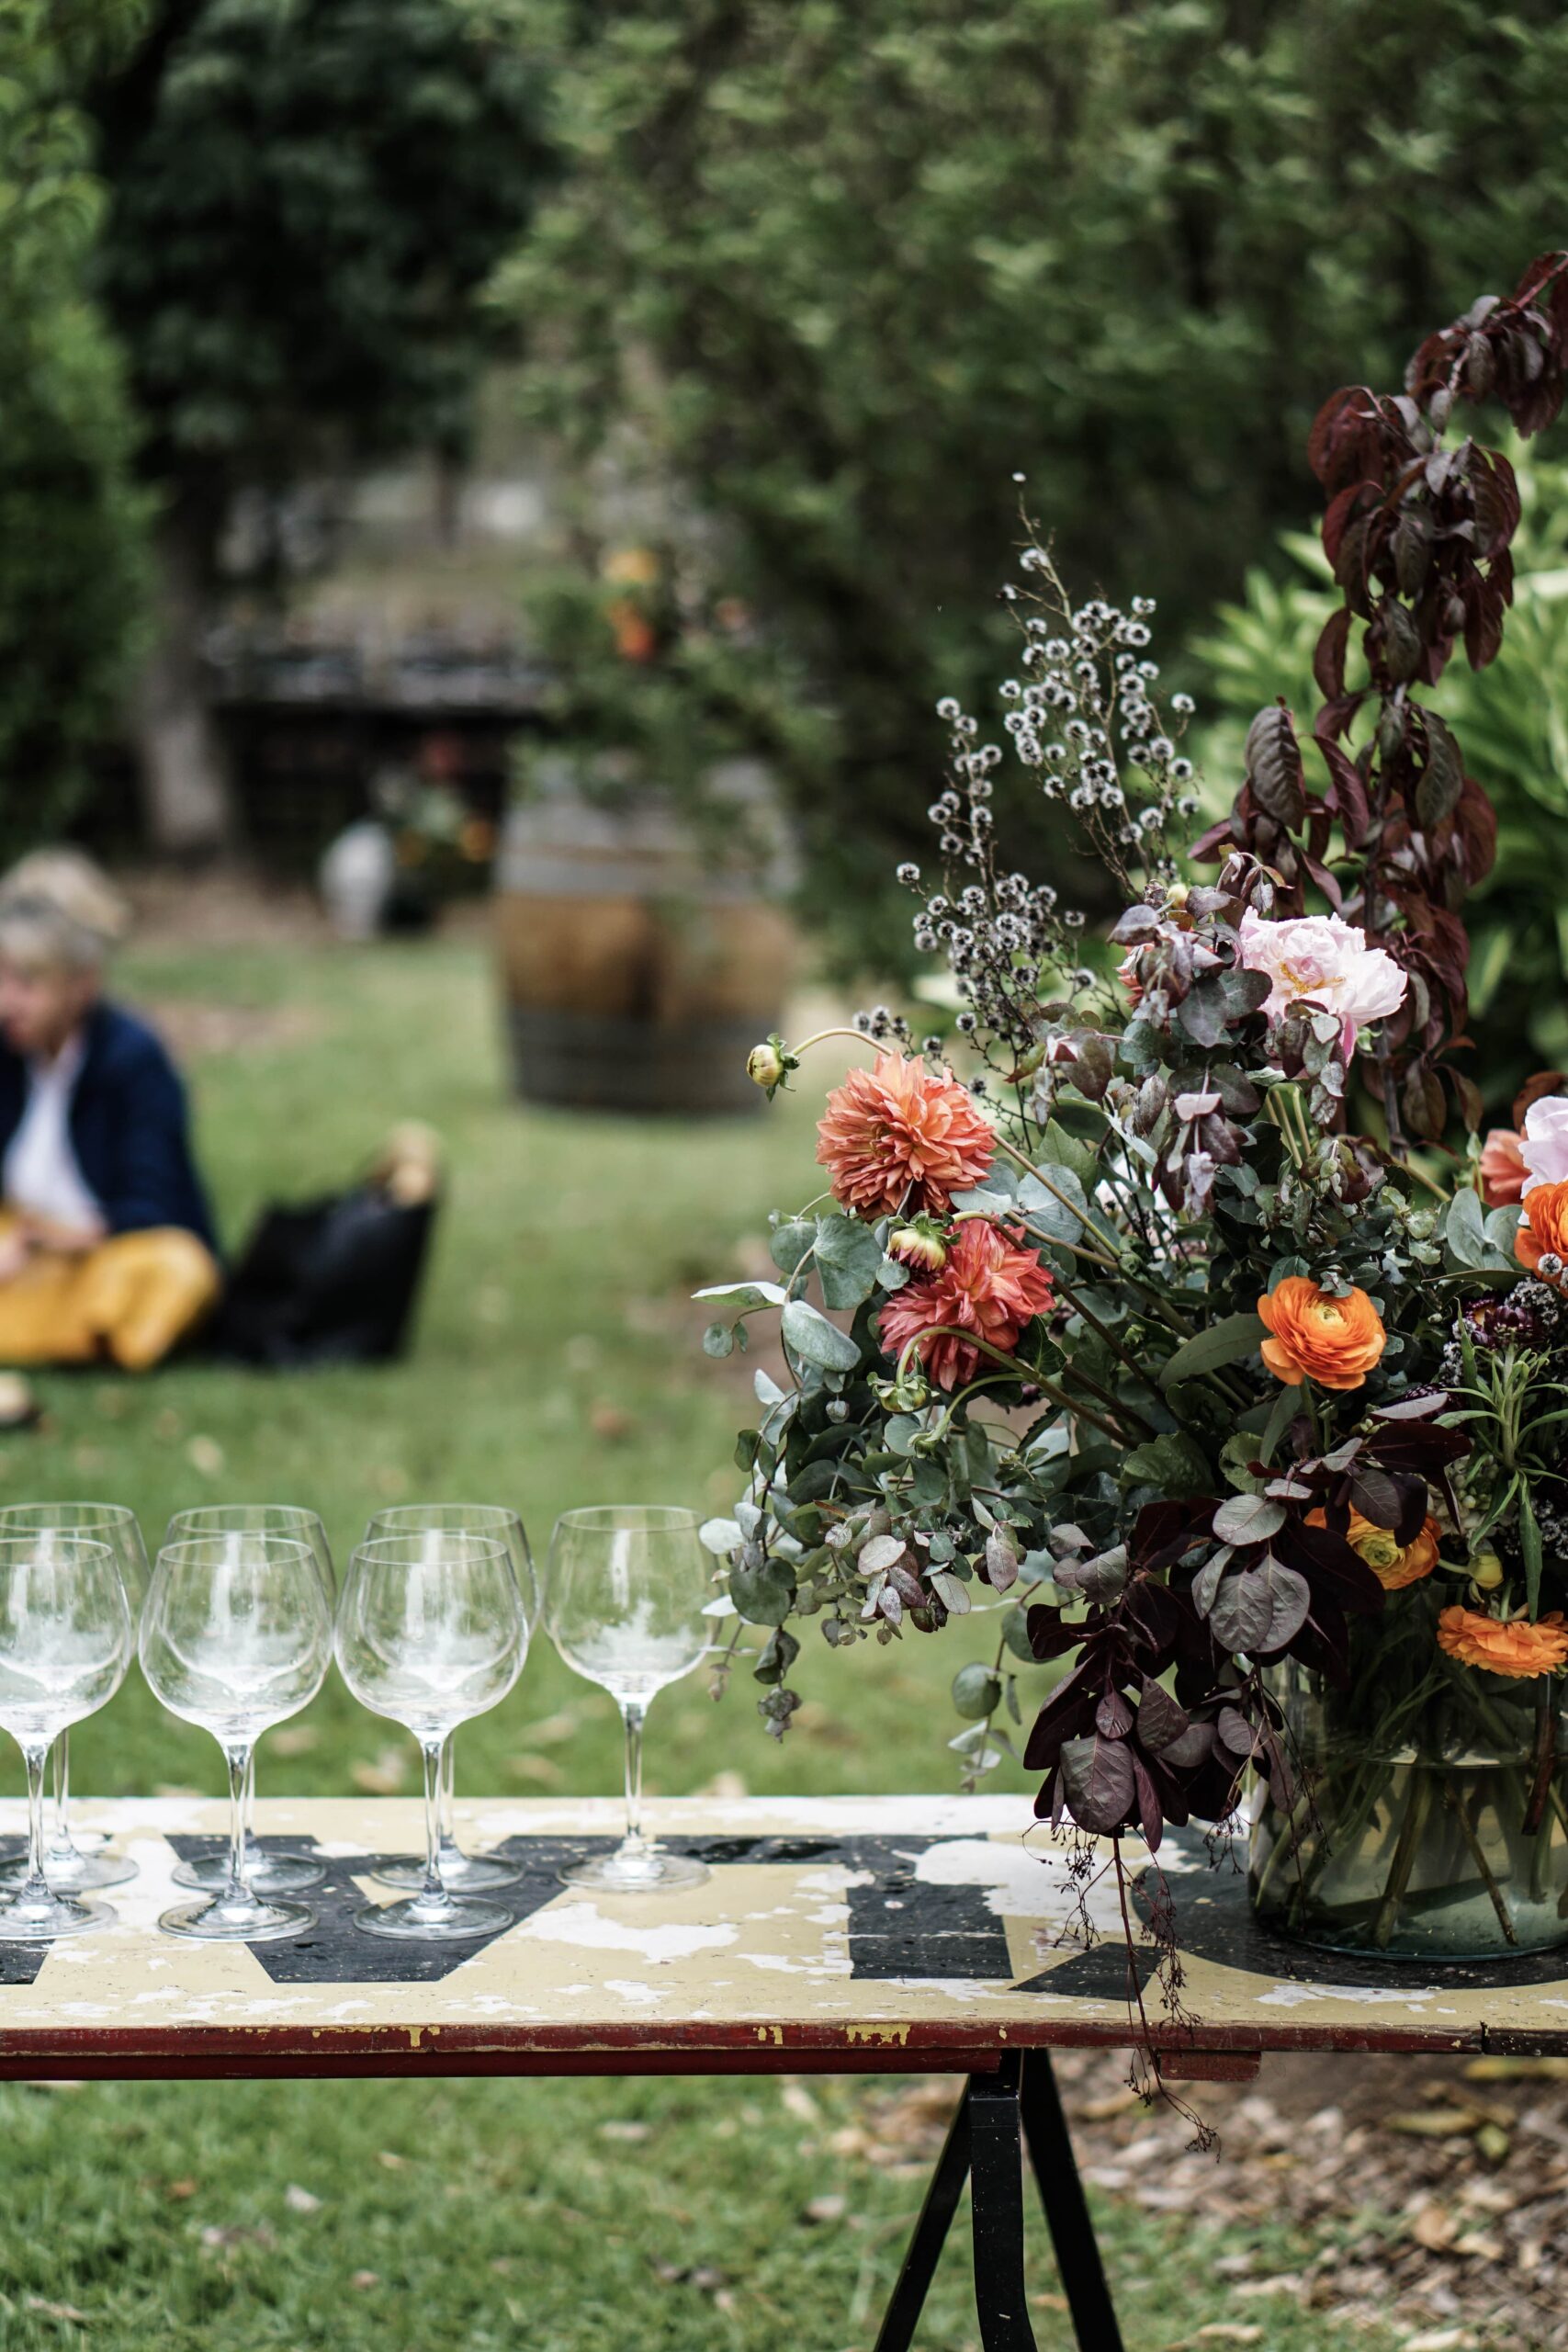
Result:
[106,1247]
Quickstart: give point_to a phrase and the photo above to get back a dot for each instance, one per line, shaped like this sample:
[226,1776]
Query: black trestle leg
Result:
[897,2331]
[1061,2192]
[997,2169]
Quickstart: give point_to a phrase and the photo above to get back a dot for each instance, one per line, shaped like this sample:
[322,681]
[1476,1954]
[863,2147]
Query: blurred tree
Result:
[842,265]
[307,196]
[71,518]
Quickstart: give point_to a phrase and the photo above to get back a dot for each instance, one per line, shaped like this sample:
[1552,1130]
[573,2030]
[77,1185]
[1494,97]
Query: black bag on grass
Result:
[332,1280]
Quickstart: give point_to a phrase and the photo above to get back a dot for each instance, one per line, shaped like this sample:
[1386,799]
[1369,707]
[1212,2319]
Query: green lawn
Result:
[556,1363]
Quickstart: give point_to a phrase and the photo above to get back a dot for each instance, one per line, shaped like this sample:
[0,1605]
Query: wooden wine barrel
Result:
[639,974]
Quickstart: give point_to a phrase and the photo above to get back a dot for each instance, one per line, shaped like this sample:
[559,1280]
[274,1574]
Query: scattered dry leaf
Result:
[58,2311]
[628,2131]
[385,1776]
[825,2209]
[300,2200]
[295,1739]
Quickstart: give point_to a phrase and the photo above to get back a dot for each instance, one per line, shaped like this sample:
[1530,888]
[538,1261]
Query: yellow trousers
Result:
[127,1302]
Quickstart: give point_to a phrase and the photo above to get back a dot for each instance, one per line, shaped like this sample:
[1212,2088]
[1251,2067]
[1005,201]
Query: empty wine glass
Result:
[625,1591]
[65,1642]
[236,1635]
[266,1872]
[74,1862]
[430,1630]
[461,1872]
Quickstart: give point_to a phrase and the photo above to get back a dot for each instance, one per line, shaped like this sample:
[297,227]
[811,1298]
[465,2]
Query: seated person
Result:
[107,1248]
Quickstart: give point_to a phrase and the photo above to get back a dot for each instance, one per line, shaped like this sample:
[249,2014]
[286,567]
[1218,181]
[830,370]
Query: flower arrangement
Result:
[1193,1328]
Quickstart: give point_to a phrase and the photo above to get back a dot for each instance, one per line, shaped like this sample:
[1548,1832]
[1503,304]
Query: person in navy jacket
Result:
[107,1245]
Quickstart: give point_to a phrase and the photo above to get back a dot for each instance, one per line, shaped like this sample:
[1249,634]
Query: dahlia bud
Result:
[769,1065]
[1486,1571]
[921,1243]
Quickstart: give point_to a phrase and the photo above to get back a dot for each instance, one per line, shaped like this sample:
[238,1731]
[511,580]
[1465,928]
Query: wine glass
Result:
[625,1592]
[462,1873]
[65,1642]
[430,1630]
[266,1872]
[73,1864]
[236,1635]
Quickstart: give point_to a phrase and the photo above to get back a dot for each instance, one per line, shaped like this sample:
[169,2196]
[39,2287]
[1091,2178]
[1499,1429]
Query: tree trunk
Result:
[188,793]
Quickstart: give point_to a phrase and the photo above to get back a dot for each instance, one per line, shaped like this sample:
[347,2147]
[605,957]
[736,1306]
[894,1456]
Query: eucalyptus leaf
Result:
[818,1342]
[721,1536]
[1249,1519]
[954,1595]
[790,1243]
[848,1256]
[745,1297]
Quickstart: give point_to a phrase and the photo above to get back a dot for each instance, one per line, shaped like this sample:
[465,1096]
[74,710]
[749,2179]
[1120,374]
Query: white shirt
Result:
[40,1171]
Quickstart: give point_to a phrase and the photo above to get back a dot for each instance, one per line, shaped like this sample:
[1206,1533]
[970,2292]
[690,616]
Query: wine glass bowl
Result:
[236,1635]
[431,1631]
[65,1642]
[626,1589]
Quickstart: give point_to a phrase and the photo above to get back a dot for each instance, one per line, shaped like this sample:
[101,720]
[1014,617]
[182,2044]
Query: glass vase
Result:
[1433,1830]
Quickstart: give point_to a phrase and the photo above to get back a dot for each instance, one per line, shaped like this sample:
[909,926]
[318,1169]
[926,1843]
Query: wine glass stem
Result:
[248,1826]
[60,1827]
[449,1794]
[435,1753]
[35,1754]
[634,1717]
[238,1758]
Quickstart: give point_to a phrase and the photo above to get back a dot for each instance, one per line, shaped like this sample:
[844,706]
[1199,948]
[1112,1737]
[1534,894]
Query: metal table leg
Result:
[897,2331]
[1061,2192]
[997,2219]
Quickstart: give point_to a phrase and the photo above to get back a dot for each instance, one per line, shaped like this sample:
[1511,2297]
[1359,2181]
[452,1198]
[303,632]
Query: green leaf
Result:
[790,1243]
[1175,1462]
[1048,1218]
[1286,1405]
[977,1689]
[1226,1341]
[847,1257]
[718,1339]
[818,1342]
[763,1595]
[1059,1149]
[744,1296]
[721,1536]
[1529,1545]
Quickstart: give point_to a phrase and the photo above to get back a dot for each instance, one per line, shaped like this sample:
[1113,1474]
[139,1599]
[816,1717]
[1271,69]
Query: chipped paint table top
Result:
[836,1933]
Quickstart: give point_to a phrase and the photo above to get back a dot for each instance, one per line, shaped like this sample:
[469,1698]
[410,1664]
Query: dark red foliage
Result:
[1418,534]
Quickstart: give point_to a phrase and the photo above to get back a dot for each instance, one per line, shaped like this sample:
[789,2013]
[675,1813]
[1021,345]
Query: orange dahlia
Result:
[1334,1341]
[1545,1229]
[902,1137]
[988,1286]
[1514,1647]
[1393,1565]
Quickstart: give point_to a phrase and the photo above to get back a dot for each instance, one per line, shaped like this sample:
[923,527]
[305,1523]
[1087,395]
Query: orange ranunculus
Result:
[902,1137]
[1546,1227]
[1334,1341]
[1393,1565]
[1503,1169]
[1515,1647]
[991,1283]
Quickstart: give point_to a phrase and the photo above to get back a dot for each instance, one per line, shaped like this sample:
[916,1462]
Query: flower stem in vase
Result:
[1416,1807]
[1543,1756]
[1460,1807]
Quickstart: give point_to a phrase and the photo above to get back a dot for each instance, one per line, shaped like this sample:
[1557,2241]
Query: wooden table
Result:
[834,1935]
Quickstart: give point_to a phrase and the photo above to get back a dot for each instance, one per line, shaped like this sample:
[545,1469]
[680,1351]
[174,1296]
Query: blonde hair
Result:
[58,911]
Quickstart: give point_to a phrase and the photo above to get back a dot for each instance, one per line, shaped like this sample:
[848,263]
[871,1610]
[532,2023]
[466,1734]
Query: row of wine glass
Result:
[236,1626]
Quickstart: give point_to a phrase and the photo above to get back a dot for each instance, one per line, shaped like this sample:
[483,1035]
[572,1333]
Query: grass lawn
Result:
[556,1363]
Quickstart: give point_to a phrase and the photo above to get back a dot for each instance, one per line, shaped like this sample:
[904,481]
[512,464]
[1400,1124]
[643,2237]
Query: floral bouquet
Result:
[1193,1328]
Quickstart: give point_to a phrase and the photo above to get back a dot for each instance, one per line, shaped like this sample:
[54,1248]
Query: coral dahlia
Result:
[901,1137]
[989,1285]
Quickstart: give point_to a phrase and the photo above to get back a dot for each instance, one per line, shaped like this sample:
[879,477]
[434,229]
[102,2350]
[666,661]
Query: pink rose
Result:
[1318,959]
[1543,1148]
[1502,1168]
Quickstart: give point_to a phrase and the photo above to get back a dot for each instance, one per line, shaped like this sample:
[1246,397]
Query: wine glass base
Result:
[216,1921]
[442,1922]
[461,1873]
[648,1871]
[265,1874]
[41,1918]
[72,1873]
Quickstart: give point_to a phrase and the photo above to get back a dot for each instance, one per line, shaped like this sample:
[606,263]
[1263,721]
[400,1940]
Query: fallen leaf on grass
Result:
[628,2131]
[610,1422]
[179,2189]
[365,2279]
[1435,2122]
[543,1771]
[1517,2070]
[797,2100]
[825,2209]
[1226,2331]
[1440,2339]
[59,2311]
[390,2163]
[1433,2227]
[553,1729]
[295,1739]
[385,1776]
[300,2200]
[1101,2111]
[206,1456]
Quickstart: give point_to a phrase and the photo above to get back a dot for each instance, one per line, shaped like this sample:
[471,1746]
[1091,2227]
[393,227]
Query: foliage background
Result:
[838,269]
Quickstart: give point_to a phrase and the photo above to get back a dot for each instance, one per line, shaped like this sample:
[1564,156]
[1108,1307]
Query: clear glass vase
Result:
[1435,1830]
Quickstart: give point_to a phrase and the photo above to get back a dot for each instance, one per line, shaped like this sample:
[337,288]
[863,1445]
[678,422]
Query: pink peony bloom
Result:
[1502,1168]
[989,1285]
[902,1137]
[1319,960]
[1543,1147]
